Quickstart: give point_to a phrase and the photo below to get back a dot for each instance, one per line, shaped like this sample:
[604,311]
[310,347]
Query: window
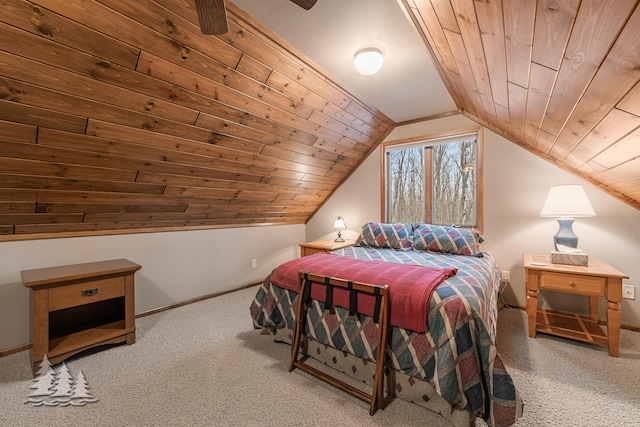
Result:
[435,179]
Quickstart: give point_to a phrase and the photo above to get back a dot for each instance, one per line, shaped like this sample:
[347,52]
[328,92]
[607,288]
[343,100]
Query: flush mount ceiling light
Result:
[368,61]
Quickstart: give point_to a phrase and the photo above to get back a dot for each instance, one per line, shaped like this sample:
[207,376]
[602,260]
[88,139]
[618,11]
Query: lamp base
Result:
[339,238]
[565,235]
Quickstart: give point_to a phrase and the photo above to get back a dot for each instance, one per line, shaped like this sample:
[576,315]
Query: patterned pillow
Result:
[387,236]
[452,240]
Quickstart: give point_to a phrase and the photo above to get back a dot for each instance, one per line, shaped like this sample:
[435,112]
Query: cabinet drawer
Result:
[311,251]
[85,293]
[586,285]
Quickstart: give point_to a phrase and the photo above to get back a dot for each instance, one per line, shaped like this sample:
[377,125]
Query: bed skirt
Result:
[397,384]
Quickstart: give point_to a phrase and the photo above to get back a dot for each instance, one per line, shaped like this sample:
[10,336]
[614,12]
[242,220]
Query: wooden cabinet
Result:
[311,248]
[80,306]
[597,280]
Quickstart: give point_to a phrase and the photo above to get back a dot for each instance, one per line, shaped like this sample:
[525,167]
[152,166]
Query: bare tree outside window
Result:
[433,181]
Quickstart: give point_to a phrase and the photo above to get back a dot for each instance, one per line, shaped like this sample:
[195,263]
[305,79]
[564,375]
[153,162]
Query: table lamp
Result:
[566,202]
[339,225]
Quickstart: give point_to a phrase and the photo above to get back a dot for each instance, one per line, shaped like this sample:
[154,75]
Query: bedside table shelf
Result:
[570,325]
[595,281]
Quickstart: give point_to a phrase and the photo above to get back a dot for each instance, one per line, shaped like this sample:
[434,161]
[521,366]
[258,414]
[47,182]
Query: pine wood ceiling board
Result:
[274,180]
[221,83]
[492,33]
[255,211]
[316,156]
[595,29]
[6,230]
[185,181]
[77,197]
[41,231]
[554,21]
[311,164]
[446,15]
[503,121]
[254,69]
[35,116]
[540,86]
[38,96]
[624,149]
[173,26]
[327,121]
[76,157]
[623,172]
[296,91]
[517,106]
[38,218]
[215,92]
[130,22]
[472,39]
[616,125]
[10,131]
[17,208]
[96,218]
[545,141]
[211,147]
[56,55]
[45,24]
[519,18]
[58,169]
[105,208]
[253,39]
[8,180]
[53,78]
[631,102]
[459,51]
[340,150]
[618,74]
[220,193]
[142,157]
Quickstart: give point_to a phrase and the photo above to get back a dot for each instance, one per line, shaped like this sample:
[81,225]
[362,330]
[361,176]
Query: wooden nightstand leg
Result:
[532,311]
[614,321]
[593,307]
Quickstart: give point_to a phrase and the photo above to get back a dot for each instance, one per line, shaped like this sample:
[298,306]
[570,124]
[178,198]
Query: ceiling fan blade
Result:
[305,4]
[212,15]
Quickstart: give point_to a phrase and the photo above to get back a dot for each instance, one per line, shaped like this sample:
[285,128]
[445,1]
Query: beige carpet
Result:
[204,365]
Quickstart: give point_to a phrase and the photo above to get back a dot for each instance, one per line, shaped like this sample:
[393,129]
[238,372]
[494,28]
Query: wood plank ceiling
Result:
[120,116]
[558,77]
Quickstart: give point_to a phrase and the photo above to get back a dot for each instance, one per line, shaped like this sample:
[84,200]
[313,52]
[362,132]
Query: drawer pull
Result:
[90,292]
[571,283]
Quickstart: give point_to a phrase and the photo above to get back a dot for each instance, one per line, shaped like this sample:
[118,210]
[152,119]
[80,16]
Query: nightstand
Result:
[322,246]
[597,280]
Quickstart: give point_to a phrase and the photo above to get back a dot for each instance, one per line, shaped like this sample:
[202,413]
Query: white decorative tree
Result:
[81,393]
[64,384]
[42,383]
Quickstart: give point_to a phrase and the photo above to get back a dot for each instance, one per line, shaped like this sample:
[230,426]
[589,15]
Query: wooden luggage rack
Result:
[381,317]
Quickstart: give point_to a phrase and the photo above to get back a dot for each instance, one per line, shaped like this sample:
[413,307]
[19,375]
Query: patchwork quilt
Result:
[457,355]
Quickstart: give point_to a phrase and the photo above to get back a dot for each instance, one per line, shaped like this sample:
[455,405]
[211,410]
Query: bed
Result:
[451,365]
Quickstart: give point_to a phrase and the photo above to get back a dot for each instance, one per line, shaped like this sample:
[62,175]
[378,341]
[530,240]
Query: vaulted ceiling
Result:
[120,116]
[558,77]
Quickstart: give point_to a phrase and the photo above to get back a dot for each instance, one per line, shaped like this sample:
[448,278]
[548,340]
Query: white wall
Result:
[176,266]
[516,184]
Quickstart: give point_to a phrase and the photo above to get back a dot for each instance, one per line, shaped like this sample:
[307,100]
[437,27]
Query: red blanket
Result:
[410,285]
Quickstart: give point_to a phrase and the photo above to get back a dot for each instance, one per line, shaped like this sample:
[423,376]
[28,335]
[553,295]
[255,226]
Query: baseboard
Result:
[27,346]
[17,349]
[193,300]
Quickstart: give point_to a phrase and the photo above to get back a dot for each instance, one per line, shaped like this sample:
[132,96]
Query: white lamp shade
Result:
[339,224]
[567,201]
[368,61]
